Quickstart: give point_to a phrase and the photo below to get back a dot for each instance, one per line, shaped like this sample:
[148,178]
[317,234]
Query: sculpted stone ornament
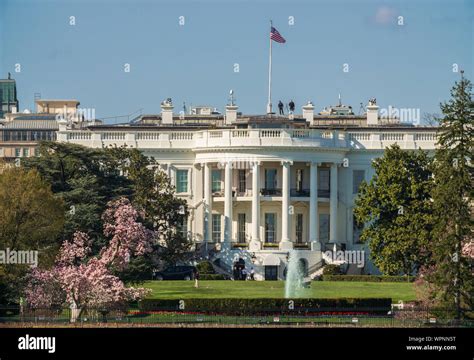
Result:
[167,102]
[372,101]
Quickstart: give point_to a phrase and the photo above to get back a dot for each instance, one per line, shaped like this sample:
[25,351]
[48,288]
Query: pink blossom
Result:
[89,282]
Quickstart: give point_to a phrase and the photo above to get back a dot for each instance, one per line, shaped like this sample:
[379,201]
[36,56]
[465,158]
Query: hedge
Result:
[332,269]
[205,267]
[269,305]
[368,278]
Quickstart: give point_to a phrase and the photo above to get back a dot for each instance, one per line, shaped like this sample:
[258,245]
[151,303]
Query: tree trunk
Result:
[75,312]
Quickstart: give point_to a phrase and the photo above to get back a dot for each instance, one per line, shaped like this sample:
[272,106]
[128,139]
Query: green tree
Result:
[396,209]
[31,219]
[85,179]
[164,211]
[450,274]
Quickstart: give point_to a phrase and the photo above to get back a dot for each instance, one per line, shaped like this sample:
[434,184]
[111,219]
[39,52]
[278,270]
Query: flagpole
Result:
[269,105]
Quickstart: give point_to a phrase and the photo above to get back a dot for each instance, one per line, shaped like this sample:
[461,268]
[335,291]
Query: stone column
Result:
[285,243]
[228,203]
[313,208]
[333,205]
[207,203]
[255,243]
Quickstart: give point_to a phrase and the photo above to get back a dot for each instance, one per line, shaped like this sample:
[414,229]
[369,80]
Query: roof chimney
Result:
[308,112]
[167,112]
[230,114]
[372,113]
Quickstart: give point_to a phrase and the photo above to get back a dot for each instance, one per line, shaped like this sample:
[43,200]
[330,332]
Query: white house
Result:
[260,186]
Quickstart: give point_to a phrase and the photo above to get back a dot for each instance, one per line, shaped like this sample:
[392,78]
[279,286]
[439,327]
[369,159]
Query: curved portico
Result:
[275,195]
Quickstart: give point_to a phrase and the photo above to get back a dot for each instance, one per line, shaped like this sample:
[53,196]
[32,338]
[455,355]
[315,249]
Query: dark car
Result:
[176,273]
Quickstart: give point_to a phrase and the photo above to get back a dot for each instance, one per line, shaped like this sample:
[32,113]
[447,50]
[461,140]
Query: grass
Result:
[276,289]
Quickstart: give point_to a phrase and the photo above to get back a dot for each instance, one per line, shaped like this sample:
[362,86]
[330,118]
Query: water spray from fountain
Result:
[295,276]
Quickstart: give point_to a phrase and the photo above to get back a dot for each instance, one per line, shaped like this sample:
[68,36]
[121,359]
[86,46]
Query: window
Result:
[356,230]
[270,179]
[183,227]
[270,228]
[17,152]
[324,228]
[299,180]
[182,181]
[216,180]
[323,182]
[26,152]
[299,228]
[216,227]
[357,177]
[241,236]
[242,181]
[37,151]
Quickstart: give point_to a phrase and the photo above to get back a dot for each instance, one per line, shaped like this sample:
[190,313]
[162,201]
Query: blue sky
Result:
[404,66]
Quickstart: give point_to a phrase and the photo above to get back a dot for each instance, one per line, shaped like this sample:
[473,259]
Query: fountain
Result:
[295,277]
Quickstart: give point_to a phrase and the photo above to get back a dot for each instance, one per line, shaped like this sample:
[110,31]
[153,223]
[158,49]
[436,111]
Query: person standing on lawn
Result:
[196,278]
[252,274]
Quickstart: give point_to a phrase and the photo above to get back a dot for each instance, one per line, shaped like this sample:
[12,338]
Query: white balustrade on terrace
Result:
[228,138]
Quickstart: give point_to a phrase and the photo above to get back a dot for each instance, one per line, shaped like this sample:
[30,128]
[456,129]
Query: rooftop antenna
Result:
[340,99]
[9,76]
[361,109]
[184,107]
[37,96]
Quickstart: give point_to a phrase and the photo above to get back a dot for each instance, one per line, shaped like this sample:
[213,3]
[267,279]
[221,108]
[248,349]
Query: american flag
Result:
[275,36]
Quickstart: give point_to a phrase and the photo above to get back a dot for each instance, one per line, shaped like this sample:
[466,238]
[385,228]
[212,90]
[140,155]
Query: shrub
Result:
[332,269]
[368,278]
[205,267]
[272,305]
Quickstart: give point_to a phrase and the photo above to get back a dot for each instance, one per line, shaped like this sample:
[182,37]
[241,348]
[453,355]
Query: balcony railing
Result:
[323,193]
[299,192]
[270,192]
[188,139]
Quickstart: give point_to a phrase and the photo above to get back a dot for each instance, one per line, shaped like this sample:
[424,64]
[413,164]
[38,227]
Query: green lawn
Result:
[275,289]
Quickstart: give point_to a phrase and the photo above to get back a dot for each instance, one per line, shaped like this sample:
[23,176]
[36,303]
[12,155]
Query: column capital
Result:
[286,162]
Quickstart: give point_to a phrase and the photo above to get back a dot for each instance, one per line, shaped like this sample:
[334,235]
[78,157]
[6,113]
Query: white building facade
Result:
[259,187]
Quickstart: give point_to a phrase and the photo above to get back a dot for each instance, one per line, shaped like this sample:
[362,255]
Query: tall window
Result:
[299,228]
[357,178]
[241,228]
[216,180]
[323,181]
[216,228]
[270,179]
[242,181]
[26,152]
[182,181]
[17,152]
[356,230]
[323,228]
[270,228]
[299,180]
[183,227]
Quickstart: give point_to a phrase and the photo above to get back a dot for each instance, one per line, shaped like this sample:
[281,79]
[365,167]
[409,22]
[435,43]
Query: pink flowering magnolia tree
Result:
[87,282]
